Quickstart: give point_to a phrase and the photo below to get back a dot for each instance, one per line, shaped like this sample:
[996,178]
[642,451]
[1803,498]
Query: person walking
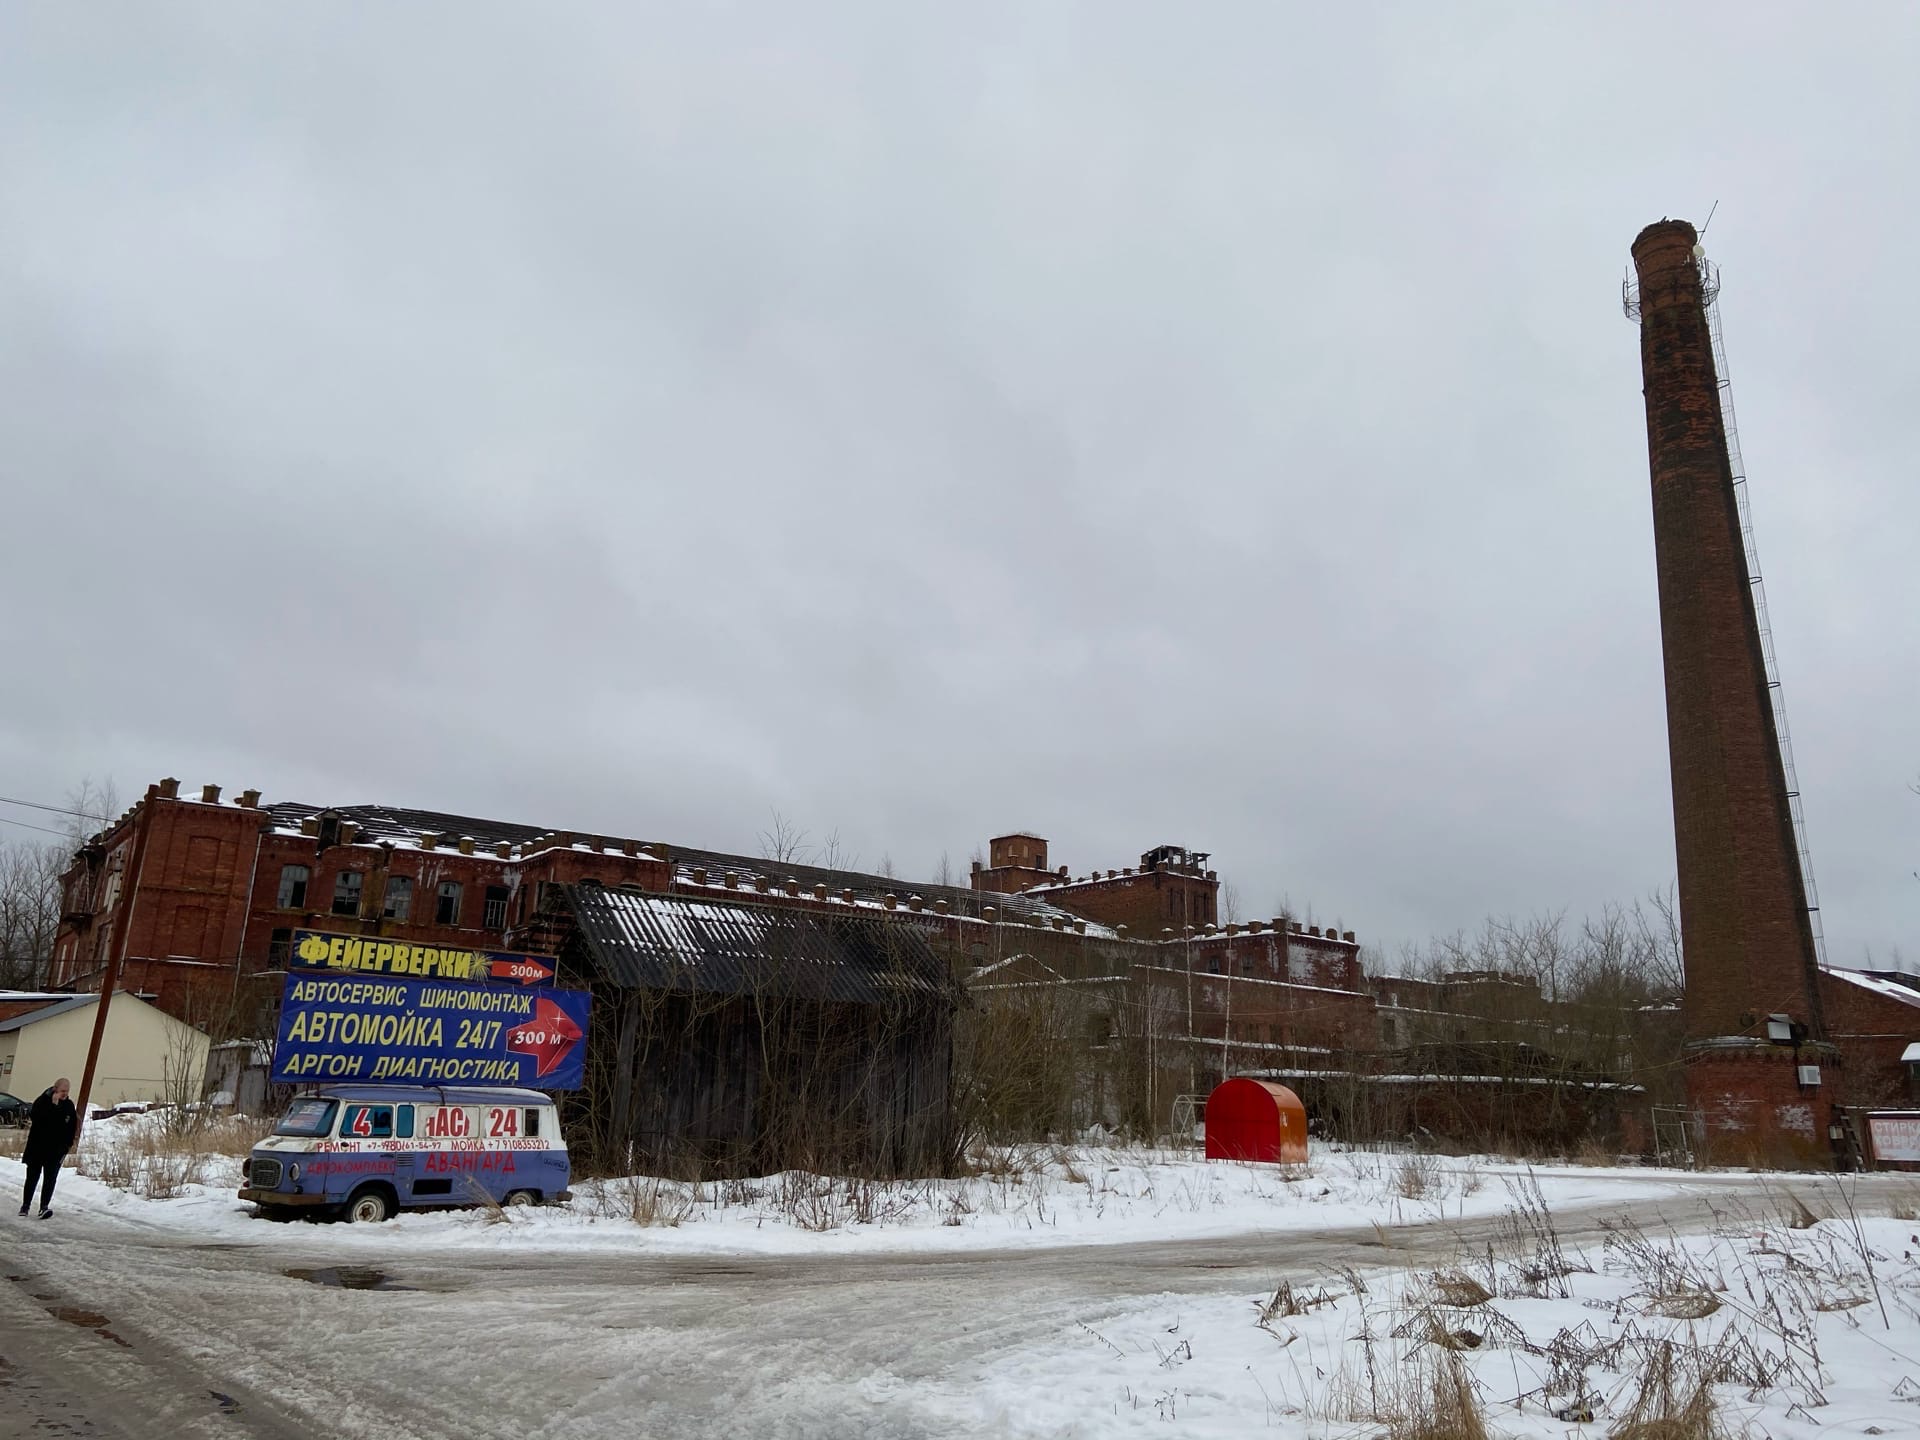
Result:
[55,1126]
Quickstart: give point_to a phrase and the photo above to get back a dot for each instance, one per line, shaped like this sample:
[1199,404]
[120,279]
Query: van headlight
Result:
[293,1172]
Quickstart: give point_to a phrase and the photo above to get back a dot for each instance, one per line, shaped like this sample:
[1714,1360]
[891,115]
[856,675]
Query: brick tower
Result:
[1759,1071]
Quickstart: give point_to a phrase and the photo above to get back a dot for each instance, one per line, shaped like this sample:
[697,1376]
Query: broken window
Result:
[399,897]
[448,911]
[293,887]
[346,892]
[496,916]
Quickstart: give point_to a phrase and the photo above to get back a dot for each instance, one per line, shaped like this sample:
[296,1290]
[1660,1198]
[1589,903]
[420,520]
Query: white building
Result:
[143,1055]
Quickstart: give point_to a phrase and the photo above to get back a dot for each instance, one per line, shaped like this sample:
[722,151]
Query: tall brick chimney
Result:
[1748,940]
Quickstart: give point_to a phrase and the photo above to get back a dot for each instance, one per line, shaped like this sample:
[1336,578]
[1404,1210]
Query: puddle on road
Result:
[86,1319]
[347,1277]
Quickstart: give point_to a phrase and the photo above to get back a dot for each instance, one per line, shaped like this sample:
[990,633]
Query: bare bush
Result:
[641,1200]
[1666,1406]
[1417,1177]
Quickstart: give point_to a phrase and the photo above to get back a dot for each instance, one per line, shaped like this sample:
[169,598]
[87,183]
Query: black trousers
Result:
[42,1173]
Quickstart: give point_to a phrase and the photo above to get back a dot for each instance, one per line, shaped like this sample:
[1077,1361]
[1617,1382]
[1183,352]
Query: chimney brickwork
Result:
[1749,948]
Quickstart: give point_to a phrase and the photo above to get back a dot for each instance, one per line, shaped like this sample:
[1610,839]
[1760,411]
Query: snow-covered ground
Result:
[1019,1197]
[1761,1328]
[1076,1294]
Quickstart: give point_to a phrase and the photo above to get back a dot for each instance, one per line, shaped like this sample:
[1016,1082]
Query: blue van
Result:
[367,1151]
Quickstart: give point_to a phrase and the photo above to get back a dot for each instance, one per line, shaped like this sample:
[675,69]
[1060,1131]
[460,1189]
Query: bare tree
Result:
[943,873]
[836,854]
[93,806]
[1230,903]
[29,910]
[885,867]
[783,840]
[30,885]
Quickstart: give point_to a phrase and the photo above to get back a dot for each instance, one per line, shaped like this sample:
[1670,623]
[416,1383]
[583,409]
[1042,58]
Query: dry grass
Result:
[1428,1396]
[1459,1290]
[1591,1152]
[1682,1305]
[1660,1413]
[642,1200]
[162,1161]
[1417,1176]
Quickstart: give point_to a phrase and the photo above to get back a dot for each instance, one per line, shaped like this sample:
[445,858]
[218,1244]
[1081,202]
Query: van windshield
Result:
[308,1118]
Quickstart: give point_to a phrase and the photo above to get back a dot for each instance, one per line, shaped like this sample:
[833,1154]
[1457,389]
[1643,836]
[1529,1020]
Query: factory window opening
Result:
[346,892]
[399,897]
[293,887]
[448,910]
[496,916]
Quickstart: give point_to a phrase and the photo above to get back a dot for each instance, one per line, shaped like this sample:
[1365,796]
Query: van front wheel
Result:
[369,1206]
[521,1197]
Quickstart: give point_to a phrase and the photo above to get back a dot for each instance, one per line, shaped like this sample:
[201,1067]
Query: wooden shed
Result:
[744,1039]
[1256,1120]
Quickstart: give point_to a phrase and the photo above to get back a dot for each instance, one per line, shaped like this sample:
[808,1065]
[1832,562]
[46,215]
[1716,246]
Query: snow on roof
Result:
[1882,985]
[869,890]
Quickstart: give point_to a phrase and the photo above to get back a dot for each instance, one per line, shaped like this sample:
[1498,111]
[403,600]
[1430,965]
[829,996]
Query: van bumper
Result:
[280,1197]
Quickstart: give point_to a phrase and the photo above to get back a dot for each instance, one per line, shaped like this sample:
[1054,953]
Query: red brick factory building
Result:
[198,896]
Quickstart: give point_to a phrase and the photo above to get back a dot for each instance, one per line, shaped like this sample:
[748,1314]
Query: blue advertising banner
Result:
[388,1031]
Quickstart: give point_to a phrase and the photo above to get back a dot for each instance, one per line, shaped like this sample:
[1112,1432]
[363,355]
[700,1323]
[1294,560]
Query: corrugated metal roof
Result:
[47,1012]
[680,943]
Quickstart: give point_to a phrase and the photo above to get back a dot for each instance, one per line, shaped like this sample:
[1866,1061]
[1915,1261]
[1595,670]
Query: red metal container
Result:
[1256,1120]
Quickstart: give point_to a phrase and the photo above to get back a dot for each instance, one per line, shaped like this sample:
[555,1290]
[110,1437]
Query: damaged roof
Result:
[644,940]
[870,888]
[404,826]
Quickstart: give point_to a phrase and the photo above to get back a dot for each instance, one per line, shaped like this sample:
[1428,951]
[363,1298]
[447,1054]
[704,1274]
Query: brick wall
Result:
[1872,1028]
[1145,901]
[1752,1109]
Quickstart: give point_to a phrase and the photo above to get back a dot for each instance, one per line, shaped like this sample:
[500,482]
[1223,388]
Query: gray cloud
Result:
[1128,423]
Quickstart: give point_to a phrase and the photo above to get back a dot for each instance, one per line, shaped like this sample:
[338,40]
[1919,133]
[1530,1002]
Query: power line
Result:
[52,809]
[4,820]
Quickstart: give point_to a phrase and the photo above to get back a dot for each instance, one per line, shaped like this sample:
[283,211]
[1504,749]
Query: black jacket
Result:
[54,1124]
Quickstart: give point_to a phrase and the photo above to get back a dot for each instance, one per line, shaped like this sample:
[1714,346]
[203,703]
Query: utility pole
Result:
[116,956]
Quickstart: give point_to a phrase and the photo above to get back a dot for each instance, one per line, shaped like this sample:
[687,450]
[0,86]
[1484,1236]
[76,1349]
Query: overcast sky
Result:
[1210,425]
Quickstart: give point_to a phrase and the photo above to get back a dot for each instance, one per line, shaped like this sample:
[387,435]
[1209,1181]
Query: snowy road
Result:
[110,1327]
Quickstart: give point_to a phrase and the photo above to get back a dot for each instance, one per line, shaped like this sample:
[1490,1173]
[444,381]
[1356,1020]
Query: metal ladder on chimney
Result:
[1710,289]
